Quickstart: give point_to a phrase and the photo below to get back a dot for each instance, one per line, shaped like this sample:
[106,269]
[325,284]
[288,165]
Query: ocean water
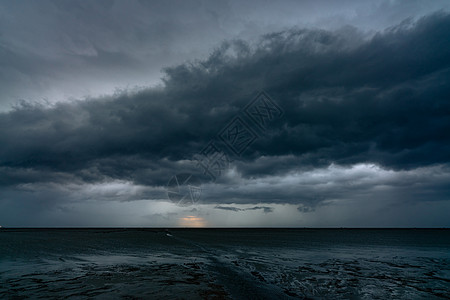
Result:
[224,264]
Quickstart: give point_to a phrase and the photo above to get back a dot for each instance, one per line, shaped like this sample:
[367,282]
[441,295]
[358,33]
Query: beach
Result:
[224,263]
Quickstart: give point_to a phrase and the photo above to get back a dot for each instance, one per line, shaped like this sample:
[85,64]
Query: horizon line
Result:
[186,227]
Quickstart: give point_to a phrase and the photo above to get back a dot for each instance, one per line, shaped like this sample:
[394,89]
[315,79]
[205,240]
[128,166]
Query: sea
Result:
[231,263]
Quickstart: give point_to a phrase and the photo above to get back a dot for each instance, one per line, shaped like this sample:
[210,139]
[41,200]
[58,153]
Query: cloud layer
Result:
[349,99]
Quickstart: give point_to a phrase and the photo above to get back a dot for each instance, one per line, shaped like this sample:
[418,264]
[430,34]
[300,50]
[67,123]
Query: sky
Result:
[225,113]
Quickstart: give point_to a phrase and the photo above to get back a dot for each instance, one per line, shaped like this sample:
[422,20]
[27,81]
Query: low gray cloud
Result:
[266,209]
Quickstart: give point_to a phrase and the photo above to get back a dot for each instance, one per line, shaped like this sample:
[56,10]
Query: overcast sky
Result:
[102,103]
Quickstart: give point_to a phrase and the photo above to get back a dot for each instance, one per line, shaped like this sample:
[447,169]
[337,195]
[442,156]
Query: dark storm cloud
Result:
[59,50]
[266,209]
[347,99]
[323,187]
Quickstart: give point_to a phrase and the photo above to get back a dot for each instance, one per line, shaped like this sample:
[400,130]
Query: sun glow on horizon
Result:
[192,221]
